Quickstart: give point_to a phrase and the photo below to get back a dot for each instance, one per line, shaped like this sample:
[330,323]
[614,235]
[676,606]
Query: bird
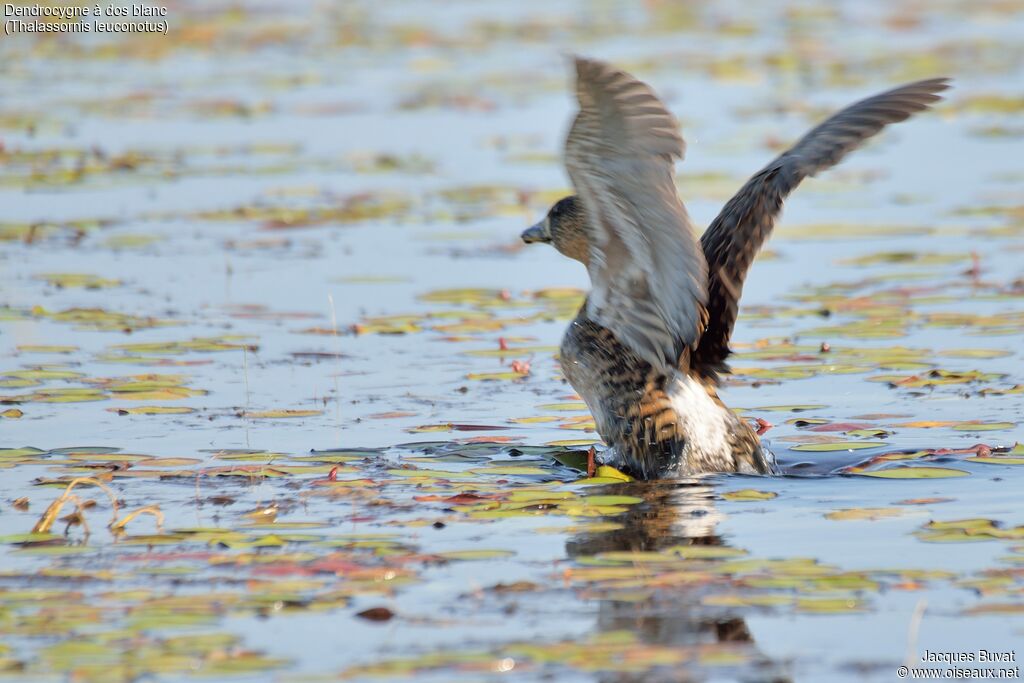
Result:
[647,350]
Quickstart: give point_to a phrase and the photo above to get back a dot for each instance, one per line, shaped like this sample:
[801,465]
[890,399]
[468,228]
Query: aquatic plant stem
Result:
[913,631]
[45,522]
[337,346]
[245,374]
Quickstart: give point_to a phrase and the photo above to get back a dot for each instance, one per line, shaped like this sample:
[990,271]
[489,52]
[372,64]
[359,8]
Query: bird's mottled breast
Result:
[573,354]
[605,374]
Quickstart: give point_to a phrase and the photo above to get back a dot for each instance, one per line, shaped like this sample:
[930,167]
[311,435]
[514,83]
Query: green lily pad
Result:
[916,473]
[476,554]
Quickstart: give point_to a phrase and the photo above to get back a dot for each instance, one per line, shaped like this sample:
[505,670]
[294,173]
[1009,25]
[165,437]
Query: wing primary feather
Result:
[647,271]
[733,239]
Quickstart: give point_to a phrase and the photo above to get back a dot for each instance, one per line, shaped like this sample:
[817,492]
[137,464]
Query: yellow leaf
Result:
[612,473]
[45,348]
[863,513]
[749,495]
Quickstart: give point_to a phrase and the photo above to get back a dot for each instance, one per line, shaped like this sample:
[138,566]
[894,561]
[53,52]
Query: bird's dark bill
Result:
[536,233]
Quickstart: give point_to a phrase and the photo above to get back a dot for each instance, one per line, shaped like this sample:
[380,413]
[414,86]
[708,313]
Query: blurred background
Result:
[260,151]
[293,224]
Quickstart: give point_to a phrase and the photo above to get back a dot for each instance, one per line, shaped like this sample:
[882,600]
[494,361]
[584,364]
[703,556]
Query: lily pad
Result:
[916,473]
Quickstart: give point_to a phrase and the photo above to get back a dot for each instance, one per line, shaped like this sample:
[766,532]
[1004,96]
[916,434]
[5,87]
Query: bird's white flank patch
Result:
[704,421]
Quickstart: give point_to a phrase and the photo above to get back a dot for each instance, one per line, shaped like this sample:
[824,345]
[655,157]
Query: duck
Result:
[647,352]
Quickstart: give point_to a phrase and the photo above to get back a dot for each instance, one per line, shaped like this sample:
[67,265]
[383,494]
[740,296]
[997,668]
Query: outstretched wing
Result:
[736,235]
[647,272]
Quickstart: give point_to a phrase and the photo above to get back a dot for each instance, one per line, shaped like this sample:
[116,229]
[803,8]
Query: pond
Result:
[263,297]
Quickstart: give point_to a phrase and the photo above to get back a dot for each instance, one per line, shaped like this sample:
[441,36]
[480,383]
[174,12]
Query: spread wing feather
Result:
[647,272]
[736,235]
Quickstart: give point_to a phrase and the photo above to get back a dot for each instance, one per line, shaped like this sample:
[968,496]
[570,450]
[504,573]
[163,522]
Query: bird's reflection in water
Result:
[674,513]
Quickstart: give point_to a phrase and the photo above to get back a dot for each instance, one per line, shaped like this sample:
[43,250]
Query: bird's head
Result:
[564,228]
